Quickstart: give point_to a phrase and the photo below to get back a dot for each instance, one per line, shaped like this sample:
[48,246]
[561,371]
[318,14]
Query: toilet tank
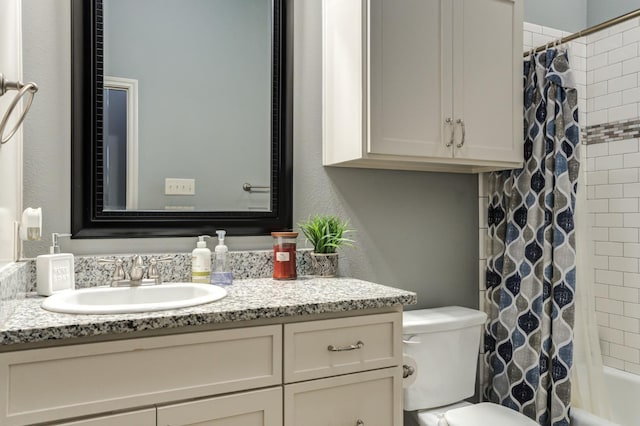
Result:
[445,343]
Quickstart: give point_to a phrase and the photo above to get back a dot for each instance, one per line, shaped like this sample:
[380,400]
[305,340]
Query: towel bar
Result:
[22,88]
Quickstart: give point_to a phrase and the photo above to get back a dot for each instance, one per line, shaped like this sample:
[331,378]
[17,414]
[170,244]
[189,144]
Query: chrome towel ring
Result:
[23,89]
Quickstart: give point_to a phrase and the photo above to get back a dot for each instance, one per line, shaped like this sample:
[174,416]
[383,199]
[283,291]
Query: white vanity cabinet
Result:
[423,84]
[266,374]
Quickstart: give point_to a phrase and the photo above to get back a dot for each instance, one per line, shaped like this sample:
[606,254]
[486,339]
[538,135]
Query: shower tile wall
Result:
[613,188]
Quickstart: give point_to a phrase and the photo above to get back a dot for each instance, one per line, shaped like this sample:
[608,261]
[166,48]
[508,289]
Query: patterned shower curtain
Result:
[531,265]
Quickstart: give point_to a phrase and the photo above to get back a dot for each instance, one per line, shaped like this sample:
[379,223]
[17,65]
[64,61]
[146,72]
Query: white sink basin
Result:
[120,300]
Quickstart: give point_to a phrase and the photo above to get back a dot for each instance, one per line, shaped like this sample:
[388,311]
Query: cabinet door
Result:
[259,408]
[134,418]
[373,398]
[488,79]
[410,77]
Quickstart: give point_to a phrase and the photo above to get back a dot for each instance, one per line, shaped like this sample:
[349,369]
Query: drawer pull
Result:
[358,345]
[360,423]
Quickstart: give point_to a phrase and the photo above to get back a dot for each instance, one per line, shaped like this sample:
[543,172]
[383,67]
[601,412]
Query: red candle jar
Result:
[284,255]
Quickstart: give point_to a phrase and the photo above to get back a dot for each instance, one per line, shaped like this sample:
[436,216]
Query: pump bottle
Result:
[55,271]
[222,274]
[201,262]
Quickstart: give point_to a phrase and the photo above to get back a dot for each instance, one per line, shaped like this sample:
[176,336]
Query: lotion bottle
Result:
[55,271]
[201,262]
[222,274]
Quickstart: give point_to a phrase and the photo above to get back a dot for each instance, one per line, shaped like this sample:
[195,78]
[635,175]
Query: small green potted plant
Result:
[326,233]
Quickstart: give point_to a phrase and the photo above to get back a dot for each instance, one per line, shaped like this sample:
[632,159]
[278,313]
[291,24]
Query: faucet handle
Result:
[153,272]
[118,272]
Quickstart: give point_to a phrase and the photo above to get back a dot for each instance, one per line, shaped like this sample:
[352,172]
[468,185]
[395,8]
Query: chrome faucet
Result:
[136,273]
[135,276]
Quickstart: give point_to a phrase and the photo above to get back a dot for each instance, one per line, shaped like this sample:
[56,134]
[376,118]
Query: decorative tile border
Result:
[613,131]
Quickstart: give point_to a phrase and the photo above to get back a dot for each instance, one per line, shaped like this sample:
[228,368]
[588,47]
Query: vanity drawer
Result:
[55,383]
[372,398]
[325,348]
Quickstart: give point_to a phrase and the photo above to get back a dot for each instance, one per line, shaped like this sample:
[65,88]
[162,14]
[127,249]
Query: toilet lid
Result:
[487,413]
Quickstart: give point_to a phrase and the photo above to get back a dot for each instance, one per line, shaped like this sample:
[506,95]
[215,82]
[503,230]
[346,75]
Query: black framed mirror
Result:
[95,214]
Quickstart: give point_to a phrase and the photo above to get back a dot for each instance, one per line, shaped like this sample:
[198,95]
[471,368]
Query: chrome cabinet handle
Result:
[464,132]
[449,121]
[358,345]
[360,423]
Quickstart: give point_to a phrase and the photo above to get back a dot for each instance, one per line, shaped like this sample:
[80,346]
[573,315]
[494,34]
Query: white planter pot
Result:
[324,264]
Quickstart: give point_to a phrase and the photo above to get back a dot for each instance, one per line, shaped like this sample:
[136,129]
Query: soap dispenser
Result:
[201,262]
[222,274]
[55,271]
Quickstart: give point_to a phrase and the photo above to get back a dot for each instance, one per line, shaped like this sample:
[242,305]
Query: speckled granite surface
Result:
[14,282]
[247,299]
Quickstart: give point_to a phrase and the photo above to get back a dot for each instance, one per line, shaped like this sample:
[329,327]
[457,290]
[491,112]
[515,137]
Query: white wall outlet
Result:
[173,186]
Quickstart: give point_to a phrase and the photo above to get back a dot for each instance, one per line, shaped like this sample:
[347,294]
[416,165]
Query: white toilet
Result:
[444,343]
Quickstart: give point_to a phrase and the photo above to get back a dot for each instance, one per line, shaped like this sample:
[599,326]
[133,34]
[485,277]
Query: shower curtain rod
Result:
[586,32]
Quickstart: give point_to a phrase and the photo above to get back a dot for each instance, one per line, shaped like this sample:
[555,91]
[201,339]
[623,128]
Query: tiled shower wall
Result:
[613,188]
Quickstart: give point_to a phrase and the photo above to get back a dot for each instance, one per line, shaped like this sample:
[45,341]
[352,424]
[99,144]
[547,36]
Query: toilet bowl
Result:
[444,343]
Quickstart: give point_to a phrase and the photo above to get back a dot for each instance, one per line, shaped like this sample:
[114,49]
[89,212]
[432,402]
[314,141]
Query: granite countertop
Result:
[247,299]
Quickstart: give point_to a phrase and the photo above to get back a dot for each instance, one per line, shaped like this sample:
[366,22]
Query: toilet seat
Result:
[486,413]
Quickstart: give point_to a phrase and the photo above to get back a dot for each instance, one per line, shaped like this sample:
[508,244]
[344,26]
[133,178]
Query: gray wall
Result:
[575,15]
[203,71]
[417,231]
[566,15]
[599,11]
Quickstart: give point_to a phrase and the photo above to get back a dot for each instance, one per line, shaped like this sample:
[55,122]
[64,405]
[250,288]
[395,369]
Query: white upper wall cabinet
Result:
[423,84]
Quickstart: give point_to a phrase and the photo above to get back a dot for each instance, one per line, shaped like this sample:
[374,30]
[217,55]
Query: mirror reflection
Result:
[187,105]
